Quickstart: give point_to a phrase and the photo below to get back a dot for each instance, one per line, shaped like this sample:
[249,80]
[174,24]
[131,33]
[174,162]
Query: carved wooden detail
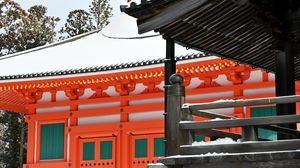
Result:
[237,76]
[151,87]
[99,92]
[125,88]
[31,96]
[208,81]
[74,93]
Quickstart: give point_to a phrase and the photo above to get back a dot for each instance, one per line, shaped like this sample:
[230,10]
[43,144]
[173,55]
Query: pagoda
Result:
[111,114]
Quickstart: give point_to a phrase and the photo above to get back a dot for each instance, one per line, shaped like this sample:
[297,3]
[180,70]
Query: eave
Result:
[230,29]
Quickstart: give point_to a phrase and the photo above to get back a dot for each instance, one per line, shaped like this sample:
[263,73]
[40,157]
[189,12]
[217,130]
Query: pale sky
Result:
[61,8]
[90,51]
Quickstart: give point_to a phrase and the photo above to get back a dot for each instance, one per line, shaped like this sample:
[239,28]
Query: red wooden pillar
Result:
[73,140]
[30,139]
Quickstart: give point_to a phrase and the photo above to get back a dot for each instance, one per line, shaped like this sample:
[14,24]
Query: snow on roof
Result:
[92,50]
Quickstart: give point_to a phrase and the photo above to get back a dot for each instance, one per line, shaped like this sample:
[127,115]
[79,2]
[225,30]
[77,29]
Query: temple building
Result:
[111,115]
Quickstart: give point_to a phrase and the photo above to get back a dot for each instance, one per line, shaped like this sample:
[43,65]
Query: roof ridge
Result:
[102,68]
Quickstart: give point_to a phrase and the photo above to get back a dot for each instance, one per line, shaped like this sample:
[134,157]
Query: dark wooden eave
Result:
[247,31]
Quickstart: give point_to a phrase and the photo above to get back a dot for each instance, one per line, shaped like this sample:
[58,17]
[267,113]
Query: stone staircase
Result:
[251,152]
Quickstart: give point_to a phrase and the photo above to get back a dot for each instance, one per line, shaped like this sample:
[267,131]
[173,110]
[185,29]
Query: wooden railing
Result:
[181,130]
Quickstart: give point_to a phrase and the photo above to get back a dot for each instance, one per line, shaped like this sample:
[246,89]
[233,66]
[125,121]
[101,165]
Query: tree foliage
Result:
[21,30]
[101,11]
[79,21]
[38,28]
[25,29]
[11,21]
[11,137]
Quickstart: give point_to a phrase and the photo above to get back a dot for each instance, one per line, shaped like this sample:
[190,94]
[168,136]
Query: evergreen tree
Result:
[11,137]
[38,28]
[79,21]
[2,142]
[11,20]
[20,30]
[101,11]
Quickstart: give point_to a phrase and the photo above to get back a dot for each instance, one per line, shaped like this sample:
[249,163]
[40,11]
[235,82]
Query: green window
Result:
[141,148]
[106,150]
[159,147]
[88,150]
[261,112]
[199,138]
[52,141]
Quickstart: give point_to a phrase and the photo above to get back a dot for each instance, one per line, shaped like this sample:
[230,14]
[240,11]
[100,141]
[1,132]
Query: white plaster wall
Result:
[88,92]
[111,91]
[259,91]
[98,105]
[153,115]
[139,88]
[195,82]
[255,76]
[222,80]
[146,101]
[46,97]
[209,95]
[271,76]
[99,119]
[52,109]
[61,96]
[161,86]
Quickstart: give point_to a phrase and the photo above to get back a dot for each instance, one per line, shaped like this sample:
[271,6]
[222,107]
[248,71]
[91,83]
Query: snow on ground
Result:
[216,142]
[202,155]
[92,50]
[154,165]
[232,154]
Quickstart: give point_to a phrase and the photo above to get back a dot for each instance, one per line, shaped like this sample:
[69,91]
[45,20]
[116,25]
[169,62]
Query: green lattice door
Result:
[52,141]
[98,152]
[146,149]
[262,112]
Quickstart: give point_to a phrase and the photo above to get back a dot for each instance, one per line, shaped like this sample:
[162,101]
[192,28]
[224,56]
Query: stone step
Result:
[242,147]
[157,165]
[275,159]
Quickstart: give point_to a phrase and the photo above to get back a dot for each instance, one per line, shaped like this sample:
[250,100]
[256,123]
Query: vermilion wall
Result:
[130,109]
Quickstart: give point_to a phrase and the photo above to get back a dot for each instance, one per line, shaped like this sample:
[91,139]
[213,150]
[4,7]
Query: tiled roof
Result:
[101,68]
[245,31]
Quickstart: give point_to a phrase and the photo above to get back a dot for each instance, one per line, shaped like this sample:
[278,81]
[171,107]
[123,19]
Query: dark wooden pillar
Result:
[285,80]
[176,98]
[170,68]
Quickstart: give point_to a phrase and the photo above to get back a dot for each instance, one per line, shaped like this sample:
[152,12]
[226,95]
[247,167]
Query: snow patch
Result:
[92,50]
[216,142]
[183,122]
[156,165]
[207,154]
[224,100]
[216,119]
[136,2]
[232,154]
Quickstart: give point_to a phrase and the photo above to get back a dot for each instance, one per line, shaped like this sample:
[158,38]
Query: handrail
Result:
[241,103]
[228,123]
[212,115]
[182,130]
